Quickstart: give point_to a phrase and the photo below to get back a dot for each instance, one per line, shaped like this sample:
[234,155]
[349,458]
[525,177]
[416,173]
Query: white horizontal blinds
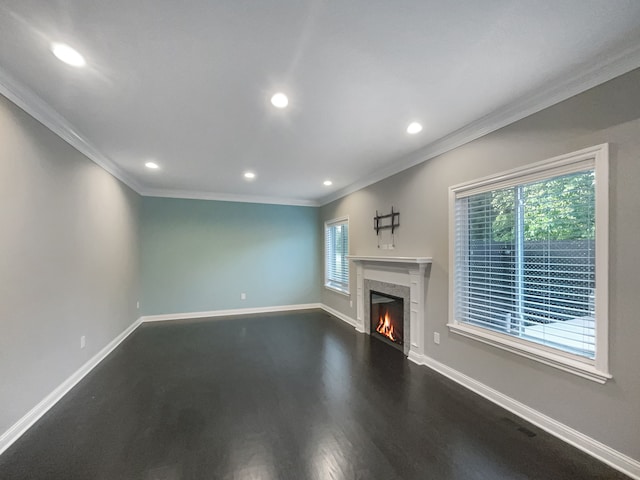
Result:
[485,269]
[525,261]
[336,252]
[559,267]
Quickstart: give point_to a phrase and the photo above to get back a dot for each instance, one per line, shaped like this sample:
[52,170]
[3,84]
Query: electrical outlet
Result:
[83,341]
[243,296]
[351,303]
[436,338]
[138,305]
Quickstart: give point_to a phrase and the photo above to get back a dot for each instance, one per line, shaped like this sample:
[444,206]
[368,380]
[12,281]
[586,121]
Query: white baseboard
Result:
[33,415]
[602,452]
[416,358]
[341,316]
[227,313]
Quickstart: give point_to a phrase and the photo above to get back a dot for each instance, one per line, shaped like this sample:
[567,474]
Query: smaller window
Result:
[336,251]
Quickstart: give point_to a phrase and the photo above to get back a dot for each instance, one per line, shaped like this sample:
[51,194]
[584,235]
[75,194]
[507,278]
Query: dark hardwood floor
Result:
[284,396]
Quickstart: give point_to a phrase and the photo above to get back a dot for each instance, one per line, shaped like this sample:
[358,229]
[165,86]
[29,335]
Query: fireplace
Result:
[387,318]
[396,277]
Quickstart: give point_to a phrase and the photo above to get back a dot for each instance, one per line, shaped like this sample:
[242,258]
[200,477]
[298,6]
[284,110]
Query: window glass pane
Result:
[559,262]
[336,252]
[562,208]
[525,261]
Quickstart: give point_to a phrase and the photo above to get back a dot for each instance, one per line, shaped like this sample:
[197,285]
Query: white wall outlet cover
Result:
[83,341]
[436,338]
[243,296]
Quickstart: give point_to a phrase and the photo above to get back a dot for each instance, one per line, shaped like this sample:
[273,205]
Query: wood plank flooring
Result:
[280,396]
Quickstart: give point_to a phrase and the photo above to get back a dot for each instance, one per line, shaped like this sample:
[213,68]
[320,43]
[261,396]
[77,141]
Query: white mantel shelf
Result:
[416,260]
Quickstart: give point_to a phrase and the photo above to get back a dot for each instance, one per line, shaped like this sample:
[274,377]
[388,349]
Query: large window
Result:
[530,261]
[336,250]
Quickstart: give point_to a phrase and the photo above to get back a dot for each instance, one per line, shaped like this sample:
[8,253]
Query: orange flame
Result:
[386,328]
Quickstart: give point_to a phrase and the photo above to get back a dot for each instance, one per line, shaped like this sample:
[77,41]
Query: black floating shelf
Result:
[386,222]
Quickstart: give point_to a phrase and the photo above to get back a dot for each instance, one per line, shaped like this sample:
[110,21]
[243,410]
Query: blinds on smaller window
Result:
[336,248]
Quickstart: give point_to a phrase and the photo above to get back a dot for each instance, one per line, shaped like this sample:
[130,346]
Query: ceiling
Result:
[188,84]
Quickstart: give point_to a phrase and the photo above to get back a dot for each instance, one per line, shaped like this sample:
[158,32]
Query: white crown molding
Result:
[602,452]
[35,106]
[33,415]
[595,74]
[226,197]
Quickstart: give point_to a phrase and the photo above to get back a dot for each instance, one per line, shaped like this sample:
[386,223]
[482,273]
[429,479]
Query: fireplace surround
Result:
[403,277]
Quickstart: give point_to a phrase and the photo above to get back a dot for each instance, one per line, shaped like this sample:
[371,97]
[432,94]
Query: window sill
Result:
[337,290]
[531,351]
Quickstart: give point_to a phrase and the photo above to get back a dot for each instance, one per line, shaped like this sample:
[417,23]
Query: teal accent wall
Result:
[199,255]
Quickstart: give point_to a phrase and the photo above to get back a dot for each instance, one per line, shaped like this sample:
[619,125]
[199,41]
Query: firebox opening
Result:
[387,318]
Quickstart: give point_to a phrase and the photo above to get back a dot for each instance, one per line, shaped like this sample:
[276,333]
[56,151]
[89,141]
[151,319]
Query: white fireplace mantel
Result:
[401,260]
[407,271]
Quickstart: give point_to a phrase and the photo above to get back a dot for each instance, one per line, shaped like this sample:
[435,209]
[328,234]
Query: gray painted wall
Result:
[69,261]
[199,255]
[609,113]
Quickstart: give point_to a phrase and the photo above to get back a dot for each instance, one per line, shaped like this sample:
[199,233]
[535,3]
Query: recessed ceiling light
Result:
[68,55]
[414,128]
[327,183]
[279,100]
[151,165]
[249,175]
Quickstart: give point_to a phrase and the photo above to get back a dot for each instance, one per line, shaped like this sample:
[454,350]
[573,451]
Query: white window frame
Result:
[327,282]
[597,157]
